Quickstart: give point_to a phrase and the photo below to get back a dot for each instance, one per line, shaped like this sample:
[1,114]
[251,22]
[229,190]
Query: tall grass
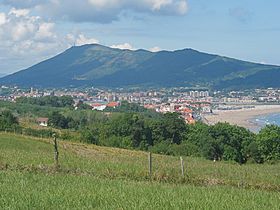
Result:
[18,153]
[93,177]
[41,191]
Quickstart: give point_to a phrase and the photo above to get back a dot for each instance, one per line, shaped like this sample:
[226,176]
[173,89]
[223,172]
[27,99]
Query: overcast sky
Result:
[33,30]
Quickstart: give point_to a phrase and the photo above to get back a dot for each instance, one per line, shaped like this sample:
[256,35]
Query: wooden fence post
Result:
[182,166]
[56,153]
[150,163]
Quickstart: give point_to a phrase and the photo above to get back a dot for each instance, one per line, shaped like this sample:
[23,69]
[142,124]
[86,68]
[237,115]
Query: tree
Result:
[7,120]
[174,127]
[126,107]
[231,140]
[58,120]
[253,153]
[66,101]
[221,141]
[268,141]
[82,105]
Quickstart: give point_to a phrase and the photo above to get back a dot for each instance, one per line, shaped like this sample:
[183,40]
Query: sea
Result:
[263,120]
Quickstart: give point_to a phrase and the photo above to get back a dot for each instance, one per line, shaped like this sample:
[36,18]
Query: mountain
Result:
[97,65]
[2,75]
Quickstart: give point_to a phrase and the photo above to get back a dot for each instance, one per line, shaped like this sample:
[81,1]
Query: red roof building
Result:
[113,104]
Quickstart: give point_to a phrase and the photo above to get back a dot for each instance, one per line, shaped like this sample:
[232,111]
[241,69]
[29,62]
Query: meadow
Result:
[91,177]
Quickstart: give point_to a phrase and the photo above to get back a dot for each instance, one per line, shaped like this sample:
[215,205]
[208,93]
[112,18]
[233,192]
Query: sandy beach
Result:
[243,117]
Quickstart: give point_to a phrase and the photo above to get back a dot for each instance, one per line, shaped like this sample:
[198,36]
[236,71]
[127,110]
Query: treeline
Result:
[163,134]
[85,116]
[23,110]
[52,101]
[75,120]
[170,135]
[126,107]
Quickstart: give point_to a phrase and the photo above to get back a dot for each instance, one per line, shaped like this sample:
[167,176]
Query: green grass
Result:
[42,191]
[106,178]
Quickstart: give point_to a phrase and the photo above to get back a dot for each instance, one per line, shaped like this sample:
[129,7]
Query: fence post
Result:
[56,153]
[182,166]
[150,163]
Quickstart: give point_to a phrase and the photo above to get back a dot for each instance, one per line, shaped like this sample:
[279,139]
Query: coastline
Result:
[243,117]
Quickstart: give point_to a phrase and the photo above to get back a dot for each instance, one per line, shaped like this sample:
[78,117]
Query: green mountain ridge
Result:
[97,65]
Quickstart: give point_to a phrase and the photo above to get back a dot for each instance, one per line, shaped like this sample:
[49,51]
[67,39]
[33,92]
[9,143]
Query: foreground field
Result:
[40,191]
[107,178]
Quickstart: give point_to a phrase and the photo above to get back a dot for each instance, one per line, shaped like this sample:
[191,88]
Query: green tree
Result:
[253,153]
[174,127]
[231,140]
[82,105]
[7,120]
[57,120]
[268,141]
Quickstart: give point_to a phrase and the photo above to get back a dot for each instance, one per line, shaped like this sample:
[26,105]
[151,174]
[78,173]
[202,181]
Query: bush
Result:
[163,148]
[185,149]
[88,136]
[117,141]
[44,133]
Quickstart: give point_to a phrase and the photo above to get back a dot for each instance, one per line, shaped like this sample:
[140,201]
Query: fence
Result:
[48,134]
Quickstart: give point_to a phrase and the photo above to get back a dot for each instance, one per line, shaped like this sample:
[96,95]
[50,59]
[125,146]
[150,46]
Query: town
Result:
[192,103]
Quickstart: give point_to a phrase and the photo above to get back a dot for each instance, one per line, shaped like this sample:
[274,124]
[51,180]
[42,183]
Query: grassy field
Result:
[105,178]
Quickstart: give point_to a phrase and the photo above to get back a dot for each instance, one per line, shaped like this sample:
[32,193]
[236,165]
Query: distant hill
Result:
[97,65]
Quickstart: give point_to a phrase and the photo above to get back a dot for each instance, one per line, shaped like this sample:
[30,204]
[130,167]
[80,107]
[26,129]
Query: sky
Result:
[34,30]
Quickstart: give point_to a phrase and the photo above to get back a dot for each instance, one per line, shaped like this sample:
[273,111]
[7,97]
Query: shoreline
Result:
[244,117]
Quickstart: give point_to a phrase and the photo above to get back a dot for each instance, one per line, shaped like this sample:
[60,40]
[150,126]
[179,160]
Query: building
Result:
[98,107]
[113,104]
[42,121]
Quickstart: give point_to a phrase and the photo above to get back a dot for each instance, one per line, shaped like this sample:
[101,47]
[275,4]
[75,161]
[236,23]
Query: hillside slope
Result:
[97,65]
[22,153]
[92,177]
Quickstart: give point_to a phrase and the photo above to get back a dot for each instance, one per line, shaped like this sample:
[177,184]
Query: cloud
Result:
[26,39]
[103,11]
[19,25]
[241,14]
[81,39]
[155,49]
[104,3]
[125,46]
[19,12]
[45,32]
[2,18]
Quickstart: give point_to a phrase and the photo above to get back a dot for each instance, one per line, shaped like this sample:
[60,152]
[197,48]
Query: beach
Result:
[243,117]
